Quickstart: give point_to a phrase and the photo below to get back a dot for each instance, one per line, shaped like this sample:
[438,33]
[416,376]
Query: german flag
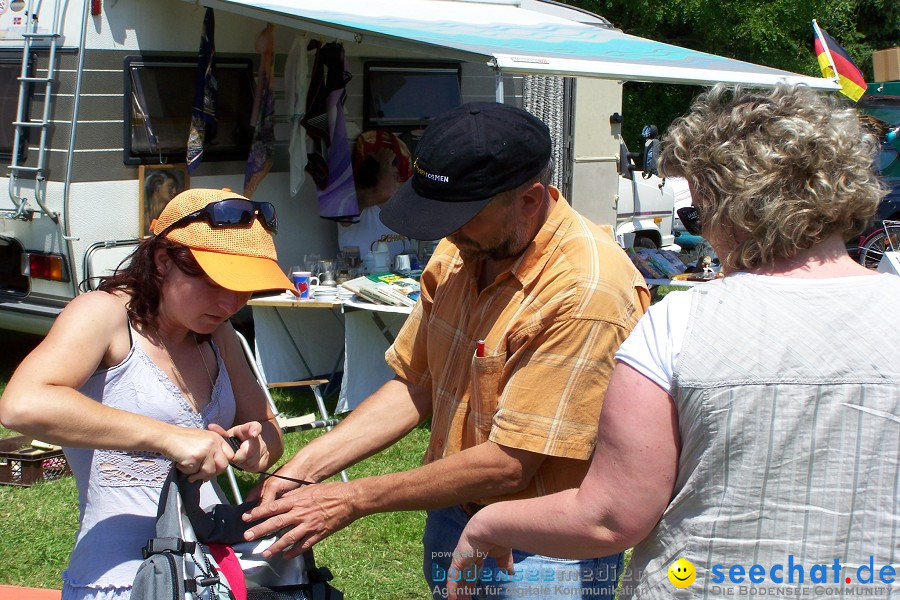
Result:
[850,77]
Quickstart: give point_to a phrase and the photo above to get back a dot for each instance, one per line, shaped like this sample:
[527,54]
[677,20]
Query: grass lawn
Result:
[379,557]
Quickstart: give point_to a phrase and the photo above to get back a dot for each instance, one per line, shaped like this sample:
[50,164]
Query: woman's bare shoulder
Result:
[99,301]
[100,310]
[92,330]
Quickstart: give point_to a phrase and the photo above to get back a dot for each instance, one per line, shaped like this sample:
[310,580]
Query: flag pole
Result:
[821,37]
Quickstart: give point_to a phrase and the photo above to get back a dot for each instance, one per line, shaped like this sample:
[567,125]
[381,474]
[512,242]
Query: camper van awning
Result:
[513,39]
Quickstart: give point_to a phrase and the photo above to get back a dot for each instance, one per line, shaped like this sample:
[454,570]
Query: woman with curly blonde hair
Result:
[773,175]
[750,426]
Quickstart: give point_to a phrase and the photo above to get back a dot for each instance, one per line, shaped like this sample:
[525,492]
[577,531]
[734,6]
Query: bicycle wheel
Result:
[873,248]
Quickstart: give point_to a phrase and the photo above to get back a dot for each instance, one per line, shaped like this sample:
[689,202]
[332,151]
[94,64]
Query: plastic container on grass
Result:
[24,465]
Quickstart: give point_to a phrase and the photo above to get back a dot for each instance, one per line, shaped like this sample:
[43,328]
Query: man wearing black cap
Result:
[509,352]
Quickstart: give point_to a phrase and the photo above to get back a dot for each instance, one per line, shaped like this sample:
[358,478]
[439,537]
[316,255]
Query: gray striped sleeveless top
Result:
[118,491]
[788,398]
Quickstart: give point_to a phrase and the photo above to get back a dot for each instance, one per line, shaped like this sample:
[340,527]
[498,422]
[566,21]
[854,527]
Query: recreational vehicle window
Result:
[408,95]
[158,100]
[10,69]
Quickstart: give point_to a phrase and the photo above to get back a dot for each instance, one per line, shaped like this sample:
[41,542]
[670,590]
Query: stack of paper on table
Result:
[385,288]
[657,264]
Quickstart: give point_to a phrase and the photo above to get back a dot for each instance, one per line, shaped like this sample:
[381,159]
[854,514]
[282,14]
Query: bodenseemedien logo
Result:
[682,573]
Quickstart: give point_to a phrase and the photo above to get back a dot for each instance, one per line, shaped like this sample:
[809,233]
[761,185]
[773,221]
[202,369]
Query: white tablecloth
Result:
[364,367]
[320,338]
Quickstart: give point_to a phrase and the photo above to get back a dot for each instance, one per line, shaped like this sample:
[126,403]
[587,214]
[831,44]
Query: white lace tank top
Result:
[118,492]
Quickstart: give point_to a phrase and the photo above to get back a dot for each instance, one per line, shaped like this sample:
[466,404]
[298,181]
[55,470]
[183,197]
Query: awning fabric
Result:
[513,39]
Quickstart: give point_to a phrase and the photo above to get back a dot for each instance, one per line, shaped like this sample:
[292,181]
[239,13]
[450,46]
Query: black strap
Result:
[235,443]
[192,585]
[297,481]
[318,579]
[167,544]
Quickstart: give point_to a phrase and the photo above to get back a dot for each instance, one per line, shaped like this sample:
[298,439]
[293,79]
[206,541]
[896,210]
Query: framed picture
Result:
[159,184]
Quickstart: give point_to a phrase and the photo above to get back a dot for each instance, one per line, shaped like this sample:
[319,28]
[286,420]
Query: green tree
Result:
[774,33]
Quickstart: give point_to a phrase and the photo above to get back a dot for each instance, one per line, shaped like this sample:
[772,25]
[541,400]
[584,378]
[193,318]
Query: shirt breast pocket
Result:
[487,372]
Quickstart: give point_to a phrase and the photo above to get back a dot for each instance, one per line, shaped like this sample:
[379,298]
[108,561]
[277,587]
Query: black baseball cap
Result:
[467,155]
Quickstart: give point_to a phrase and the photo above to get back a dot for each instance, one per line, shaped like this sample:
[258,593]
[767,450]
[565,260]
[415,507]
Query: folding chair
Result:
[287,423]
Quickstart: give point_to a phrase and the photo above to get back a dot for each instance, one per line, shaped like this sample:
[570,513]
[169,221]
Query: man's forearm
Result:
[483,471]
[382,419]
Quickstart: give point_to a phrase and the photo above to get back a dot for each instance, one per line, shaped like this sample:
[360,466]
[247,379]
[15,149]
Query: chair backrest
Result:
[286,422]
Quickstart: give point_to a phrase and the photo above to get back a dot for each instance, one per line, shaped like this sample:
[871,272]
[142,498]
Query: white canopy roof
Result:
[512,38]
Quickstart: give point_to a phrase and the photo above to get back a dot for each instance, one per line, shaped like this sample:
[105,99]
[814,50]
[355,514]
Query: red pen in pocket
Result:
[479,349]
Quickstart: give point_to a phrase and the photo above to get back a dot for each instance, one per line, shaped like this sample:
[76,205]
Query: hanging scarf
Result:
[295,80]
[329,162]
[203,112]
[262,150]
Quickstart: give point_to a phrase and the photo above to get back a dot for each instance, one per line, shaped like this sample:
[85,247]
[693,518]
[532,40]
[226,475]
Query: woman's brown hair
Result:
[141,280]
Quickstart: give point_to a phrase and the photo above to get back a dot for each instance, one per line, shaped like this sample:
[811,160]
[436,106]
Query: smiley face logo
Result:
[682,573]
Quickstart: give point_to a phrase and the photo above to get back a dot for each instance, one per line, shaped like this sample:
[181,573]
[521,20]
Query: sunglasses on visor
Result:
[231,212]
[690,218]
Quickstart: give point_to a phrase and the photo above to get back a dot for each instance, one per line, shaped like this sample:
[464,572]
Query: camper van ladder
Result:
[50,39]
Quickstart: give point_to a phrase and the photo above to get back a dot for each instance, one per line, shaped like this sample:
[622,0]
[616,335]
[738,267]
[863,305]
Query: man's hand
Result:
[312,513]
[472,551]
[273,488]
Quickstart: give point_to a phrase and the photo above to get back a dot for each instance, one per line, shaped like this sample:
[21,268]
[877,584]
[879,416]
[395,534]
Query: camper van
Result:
[95,103]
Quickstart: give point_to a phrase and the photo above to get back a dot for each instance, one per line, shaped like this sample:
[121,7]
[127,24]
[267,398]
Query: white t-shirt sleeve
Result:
[653,347]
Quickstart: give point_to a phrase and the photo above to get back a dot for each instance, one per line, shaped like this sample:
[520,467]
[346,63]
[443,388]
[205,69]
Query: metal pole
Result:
[821,37]
[67,183]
